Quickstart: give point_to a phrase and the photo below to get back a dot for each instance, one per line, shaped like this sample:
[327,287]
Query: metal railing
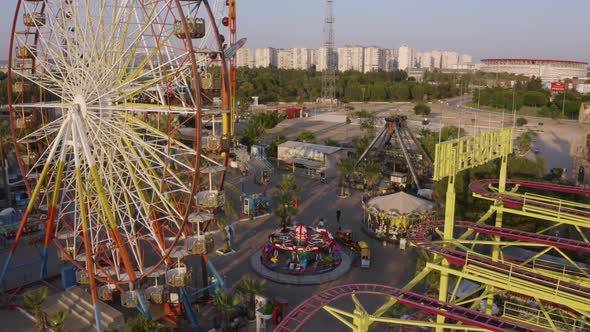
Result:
[535,316]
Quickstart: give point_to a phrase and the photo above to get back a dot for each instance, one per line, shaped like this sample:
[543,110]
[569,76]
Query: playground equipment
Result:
[109,160]
[255,205]
[545,290]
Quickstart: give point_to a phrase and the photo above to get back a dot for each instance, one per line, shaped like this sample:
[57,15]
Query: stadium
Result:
[547,70]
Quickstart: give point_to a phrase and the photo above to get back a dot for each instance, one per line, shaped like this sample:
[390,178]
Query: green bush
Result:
[534,98]
[521,122]
[422,109]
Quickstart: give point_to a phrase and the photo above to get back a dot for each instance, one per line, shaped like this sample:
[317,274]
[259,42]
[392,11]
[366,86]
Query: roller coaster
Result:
[544,289]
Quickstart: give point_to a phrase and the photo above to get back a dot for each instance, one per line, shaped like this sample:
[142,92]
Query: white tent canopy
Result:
[401,203]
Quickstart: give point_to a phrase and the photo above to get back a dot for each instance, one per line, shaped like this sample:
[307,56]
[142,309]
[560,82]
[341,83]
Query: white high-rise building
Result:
[406,57]
[266,57]
[320,59]
[314,56]
[285,59]
[245,58]
[465,59]
[301,58]
[449,59]
[424,60]
[390,59]
[374,60]
[436,59]
[351,58]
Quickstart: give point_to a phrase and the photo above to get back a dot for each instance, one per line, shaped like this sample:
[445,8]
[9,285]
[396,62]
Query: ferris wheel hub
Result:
[80,104]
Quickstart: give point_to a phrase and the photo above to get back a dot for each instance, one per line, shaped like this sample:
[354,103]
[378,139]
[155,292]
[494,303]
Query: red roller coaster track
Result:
[481,187]
[418,236]
[302,313]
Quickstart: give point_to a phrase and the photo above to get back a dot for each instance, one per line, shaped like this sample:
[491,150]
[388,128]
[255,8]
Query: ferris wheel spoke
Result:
[45,132]
[139,169]
[156,152]
[123,56]
[136,81]
[80,138]
[42,105]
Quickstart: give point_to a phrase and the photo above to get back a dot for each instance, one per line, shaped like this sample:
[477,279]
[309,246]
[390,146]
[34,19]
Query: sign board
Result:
[582,87]
[468,152]
[558,86]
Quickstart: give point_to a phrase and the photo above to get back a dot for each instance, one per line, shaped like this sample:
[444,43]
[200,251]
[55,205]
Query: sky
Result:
[484,29]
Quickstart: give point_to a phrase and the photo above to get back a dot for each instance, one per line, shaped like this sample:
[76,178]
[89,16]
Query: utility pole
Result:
[563,104]
[513,108]
[329,76]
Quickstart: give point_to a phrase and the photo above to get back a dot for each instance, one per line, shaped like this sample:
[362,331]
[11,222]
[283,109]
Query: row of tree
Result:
[532,95]
[272,85]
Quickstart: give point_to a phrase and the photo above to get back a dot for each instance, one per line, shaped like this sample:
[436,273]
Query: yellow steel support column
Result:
[360,321]
[503,174]
[499,215]
[447,236]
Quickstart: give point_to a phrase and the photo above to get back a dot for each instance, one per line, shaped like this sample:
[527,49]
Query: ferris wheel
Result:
[120,114]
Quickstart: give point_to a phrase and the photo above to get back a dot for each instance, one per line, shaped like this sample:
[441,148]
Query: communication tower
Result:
[329,75]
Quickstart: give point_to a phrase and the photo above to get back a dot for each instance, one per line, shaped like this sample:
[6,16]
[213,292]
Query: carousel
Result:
[389,217]
[301,250]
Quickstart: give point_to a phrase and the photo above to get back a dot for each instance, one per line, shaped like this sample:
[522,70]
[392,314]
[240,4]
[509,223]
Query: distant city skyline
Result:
[503,28]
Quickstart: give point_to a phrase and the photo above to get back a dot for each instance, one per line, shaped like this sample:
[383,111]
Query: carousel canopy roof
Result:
[401,203]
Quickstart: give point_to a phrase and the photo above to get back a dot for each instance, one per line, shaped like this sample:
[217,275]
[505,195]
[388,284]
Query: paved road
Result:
[389,265]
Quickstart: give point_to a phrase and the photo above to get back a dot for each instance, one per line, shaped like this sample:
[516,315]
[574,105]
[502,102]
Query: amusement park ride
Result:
[538,293]
[396,134]
[108,106]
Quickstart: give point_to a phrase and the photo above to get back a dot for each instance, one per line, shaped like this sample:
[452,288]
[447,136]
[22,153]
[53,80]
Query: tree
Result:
[368,124]
[346,168]
[521,122]
[525,141]
[286,193]
[534,98]
[331,142]
[226,304]
[33,301]
[248,288]
[57,320]
[422,109]
[360,144]
[371,173]
[306,136]
[274,144]
[229,213]
[140,323]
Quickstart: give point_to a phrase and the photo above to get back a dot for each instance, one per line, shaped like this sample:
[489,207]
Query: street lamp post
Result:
[513,108]
[563,103]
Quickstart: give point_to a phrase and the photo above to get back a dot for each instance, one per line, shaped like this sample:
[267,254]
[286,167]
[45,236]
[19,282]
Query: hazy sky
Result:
[498,28]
